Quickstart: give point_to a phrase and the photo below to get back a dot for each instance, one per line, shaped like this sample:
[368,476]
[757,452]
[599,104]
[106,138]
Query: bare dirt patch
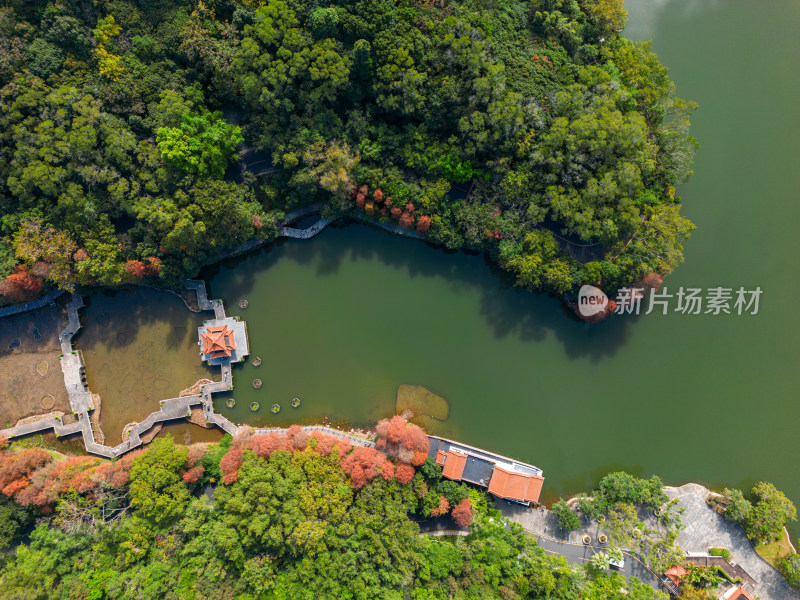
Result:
[22,386]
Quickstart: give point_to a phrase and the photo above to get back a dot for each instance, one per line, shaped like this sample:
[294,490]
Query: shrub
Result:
[621,487]
[738,508]
[791,568]
[566,518]
[723,552]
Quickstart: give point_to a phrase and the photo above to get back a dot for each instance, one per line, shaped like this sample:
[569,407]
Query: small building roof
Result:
[454,465]
[514,485]
[741,594]
[675,573]
[218,342]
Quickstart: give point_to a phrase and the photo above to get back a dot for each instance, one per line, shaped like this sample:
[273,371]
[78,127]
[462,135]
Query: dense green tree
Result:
[201,145]
[739,509]
[290,525]
[14,520]
[791,568]
[566,518]
[771,512]
[157,491]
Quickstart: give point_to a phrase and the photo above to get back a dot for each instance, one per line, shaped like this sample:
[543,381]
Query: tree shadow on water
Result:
[118,317]
[510,311]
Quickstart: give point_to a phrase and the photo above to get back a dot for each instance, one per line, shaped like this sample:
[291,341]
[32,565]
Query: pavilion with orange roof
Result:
[223,341]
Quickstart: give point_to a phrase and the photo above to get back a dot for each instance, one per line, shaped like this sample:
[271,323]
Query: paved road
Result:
[581,554]
[543,524]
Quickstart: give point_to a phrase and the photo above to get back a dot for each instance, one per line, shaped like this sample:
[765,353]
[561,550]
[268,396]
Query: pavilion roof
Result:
[218,341]
[675,573]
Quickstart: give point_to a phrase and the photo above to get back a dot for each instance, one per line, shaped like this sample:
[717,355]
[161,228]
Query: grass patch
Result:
[775,552]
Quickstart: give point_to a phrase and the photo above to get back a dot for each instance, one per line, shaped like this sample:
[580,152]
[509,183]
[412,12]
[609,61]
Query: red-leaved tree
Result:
[442,509]
[21,285]
[19,466]
[423,224]
[325,444]
[402,440]
[265,444]
[363,465]
[462,513]
[195,454]
[230,463]
[53,480]
[194,474]
[387,470]
[406,220]
[118,473]
[136,269]
[404,473]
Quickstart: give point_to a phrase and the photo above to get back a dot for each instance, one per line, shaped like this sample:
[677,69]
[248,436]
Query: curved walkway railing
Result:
[15,309]
[353,439]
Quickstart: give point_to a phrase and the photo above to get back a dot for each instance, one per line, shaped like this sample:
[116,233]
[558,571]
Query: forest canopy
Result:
[531,131]
[289,515]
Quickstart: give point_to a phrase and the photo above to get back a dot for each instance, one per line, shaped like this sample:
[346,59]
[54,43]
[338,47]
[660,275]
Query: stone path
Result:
[15,309]
[309,232]
[706,529]
[353,439]
[543,524]
[299,213]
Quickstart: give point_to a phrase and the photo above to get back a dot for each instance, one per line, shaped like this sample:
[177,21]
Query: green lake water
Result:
[340,321]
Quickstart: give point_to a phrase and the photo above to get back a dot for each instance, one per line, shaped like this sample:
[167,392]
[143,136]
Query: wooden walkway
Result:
[447,533]
[322,223]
